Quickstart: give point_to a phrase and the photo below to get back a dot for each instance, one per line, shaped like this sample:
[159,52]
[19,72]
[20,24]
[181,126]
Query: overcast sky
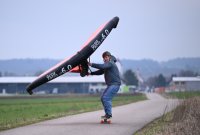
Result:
[150,29]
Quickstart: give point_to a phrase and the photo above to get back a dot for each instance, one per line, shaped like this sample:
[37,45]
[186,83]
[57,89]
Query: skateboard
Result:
[105,121]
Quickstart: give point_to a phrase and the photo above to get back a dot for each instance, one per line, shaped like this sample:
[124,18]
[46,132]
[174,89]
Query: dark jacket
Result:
[110,71]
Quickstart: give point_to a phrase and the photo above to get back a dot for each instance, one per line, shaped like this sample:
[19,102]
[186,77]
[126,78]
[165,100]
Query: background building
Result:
[72,84]
[185,84]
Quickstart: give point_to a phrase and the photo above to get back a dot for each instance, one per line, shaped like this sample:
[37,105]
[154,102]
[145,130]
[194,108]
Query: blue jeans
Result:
[107,96]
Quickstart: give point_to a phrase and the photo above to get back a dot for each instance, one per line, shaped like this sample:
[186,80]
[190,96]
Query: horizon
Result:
[177,58]
[147,67]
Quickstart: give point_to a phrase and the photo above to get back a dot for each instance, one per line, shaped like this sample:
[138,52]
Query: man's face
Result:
[106,58]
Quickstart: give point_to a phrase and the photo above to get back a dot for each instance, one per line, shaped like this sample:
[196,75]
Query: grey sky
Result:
[152,29]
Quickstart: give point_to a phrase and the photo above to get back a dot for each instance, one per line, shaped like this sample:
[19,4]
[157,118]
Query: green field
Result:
[185,95]
[18,111]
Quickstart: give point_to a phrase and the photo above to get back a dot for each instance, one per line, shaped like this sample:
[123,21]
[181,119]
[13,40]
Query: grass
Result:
[185,95]
[157,126]
[17,111]
[185,119]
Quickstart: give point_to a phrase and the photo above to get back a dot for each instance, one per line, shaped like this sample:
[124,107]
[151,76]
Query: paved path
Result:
[127,120]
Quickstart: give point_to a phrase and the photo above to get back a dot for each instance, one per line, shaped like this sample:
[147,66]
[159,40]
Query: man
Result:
[112,79]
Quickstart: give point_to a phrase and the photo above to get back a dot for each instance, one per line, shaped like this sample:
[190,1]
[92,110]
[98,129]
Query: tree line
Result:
[130,78]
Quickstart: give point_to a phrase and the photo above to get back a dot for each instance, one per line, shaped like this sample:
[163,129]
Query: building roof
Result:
[186,79]
[67,79]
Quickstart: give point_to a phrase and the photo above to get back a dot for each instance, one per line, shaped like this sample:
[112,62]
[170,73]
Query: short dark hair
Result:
[106,53]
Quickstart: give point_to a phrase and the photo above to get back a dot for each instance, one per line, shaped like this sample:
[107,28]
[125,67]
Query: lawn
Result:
[185,95]
[18,111]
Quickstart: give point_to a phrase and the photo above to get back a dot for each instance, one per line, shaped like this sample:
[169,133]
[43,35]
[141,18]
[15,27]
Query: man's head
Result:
[106,56]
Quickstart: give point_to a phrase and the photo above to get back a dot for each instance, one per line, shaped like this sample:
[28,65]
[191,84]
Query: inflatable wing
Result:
[78,62]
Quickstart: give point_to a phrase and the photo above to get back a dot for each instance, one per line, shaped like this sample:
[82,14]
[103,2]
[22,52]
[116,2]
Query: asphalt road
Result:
[127,119]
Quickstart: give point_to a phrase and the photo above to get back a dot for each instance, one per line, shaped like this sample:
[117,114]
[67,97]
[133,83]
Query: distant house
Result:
[185,84]
[72,84]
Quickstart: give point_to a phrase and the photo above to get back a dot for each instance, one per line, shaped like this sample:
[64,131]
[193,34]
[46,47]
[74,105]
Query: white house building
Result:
[185,84]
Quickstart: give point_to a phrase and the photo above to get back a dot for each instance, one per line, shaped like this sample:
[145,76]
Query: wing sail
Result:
[78,59]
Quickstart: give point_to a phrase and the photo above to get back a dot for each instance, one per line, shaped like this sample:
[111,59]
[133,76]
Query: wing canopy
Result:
[78,62]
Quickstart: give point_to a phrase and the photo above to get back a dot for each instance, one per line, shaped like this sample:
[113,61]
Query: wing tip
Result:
[115,21]
[29,90]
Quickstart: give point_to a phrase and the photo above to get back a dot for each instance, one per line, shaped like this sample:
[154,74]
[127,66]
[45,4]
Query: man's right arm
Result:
[106,65]
[98,72]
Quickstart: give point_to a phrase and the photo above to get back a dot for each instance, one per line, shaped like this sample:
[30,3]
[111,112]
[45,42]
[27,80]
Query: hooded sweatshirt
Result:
[110,71]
